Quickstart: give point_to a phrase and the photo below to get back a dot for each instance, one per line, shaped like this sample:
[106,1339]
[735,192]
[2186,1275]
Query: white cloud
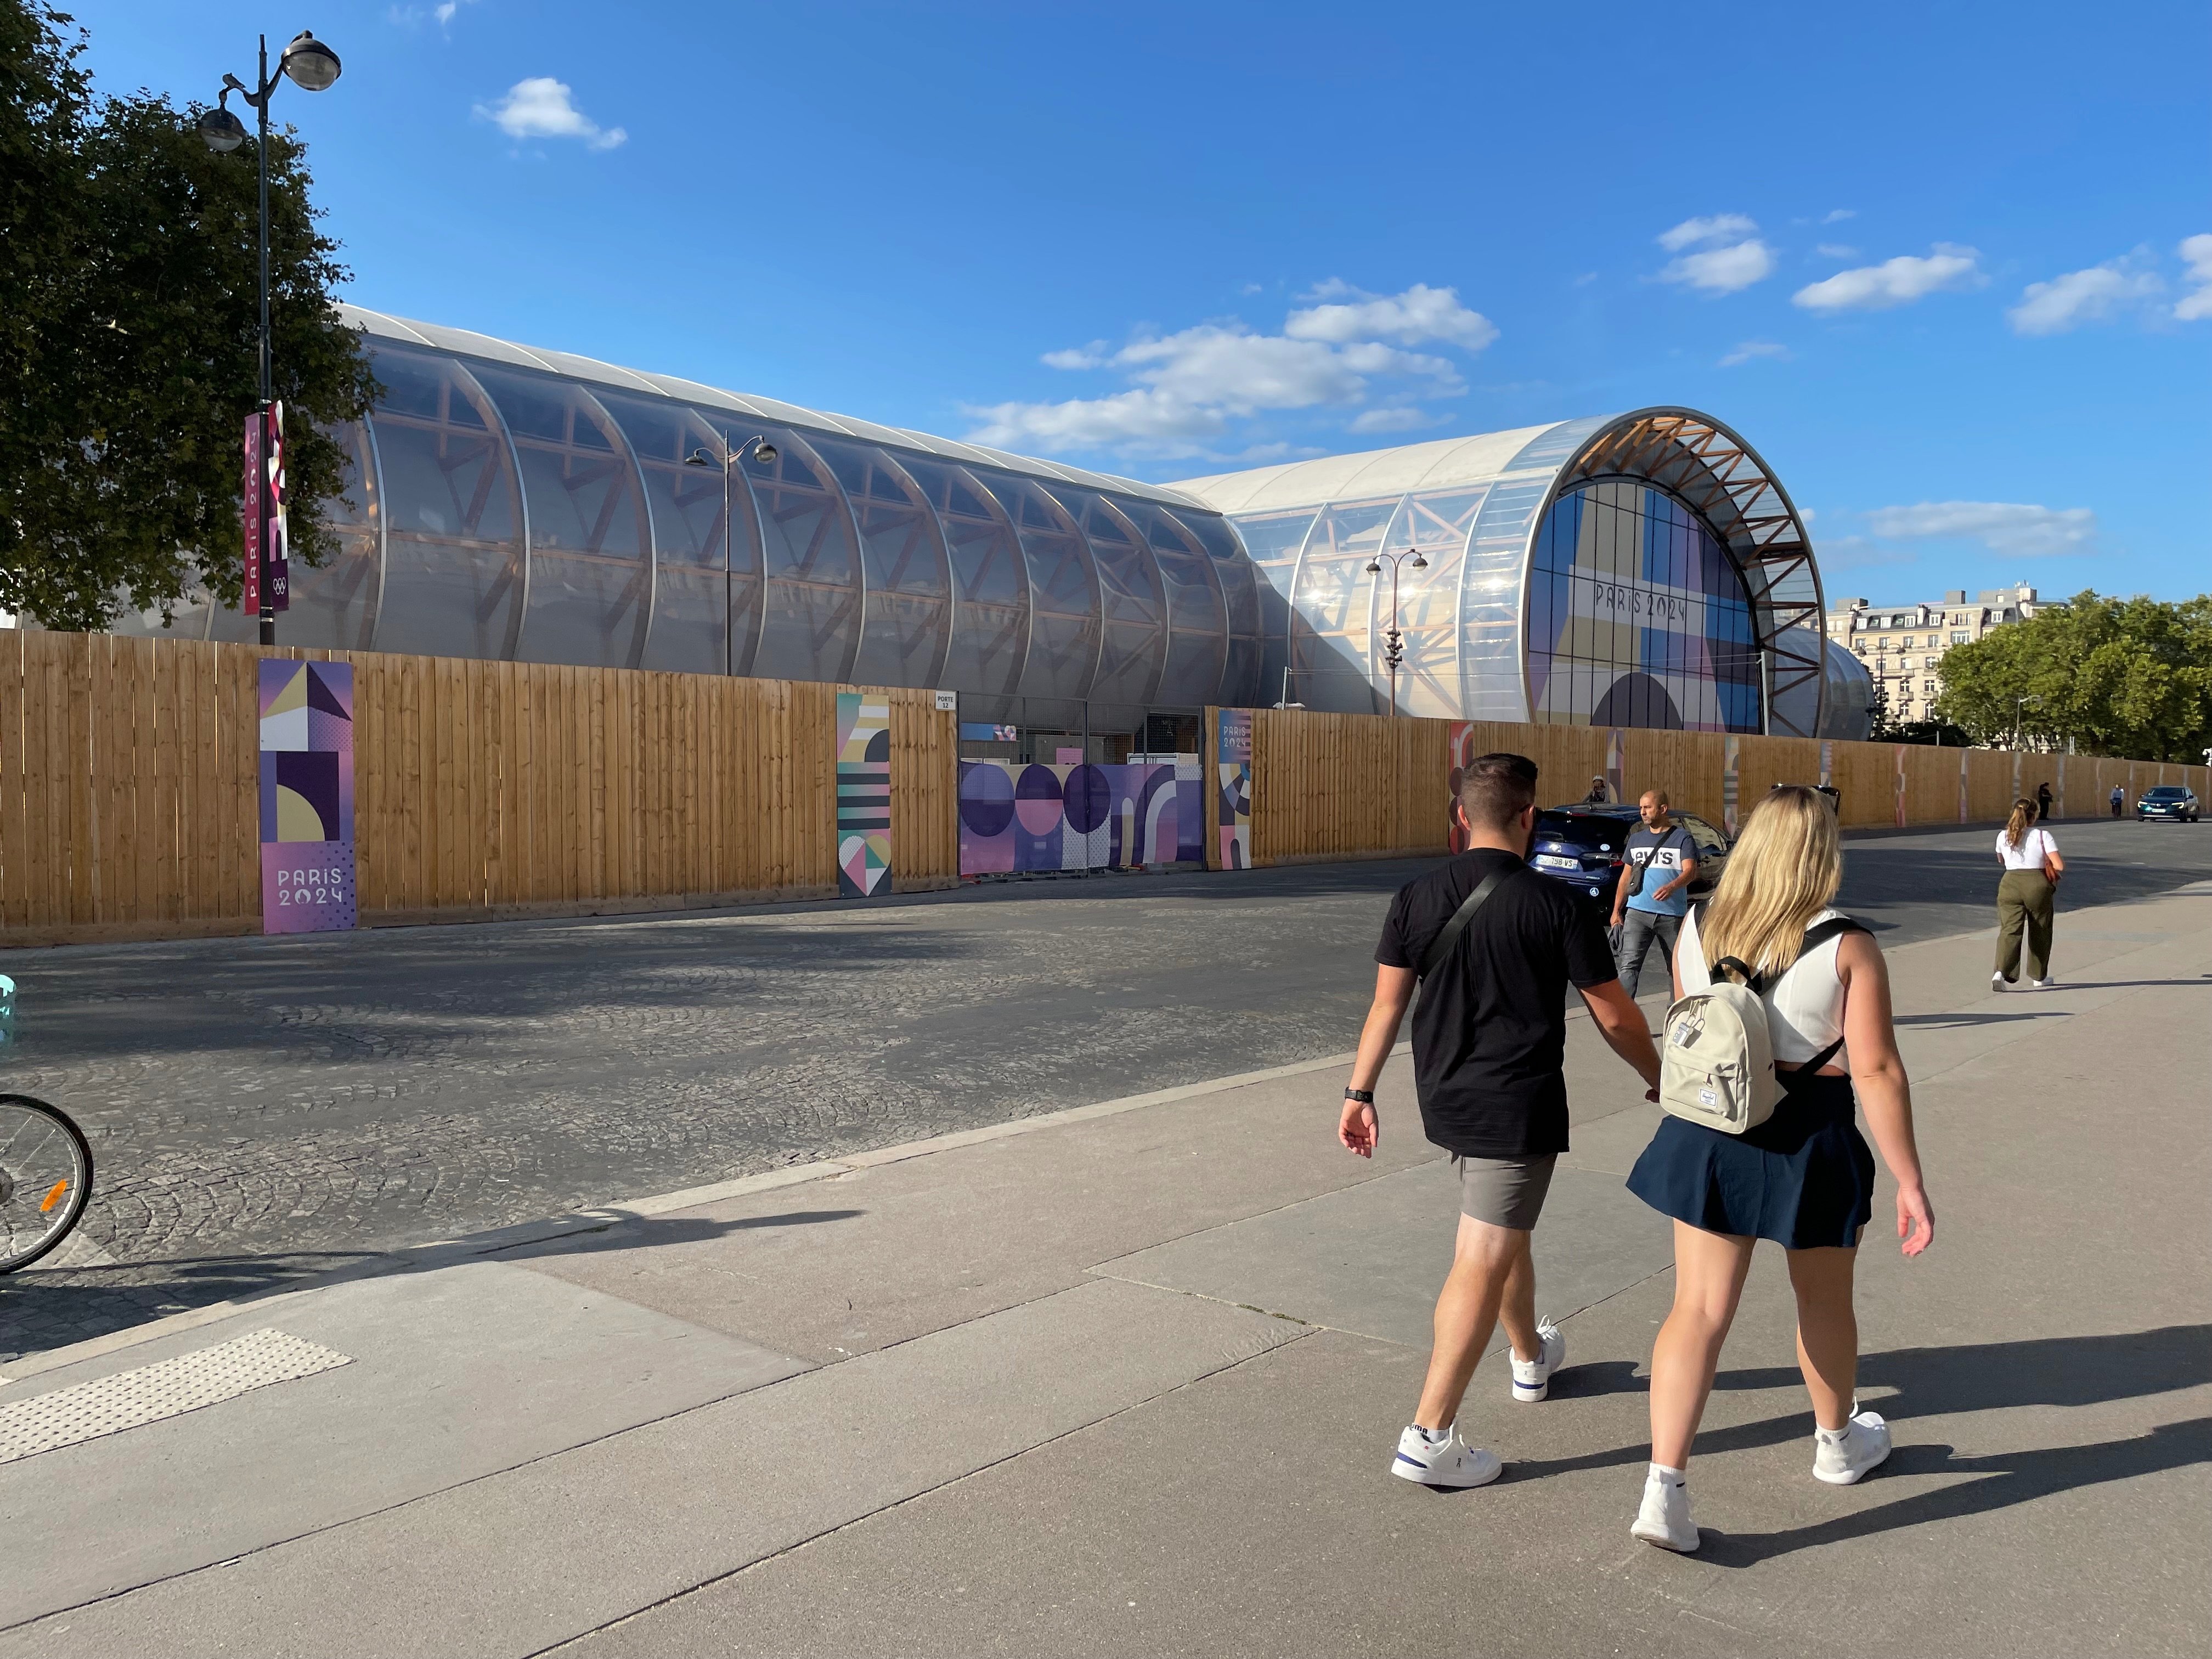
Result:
[540,107]
[1856,552]
[1836,216]
[1392,420]
[1419,314]
[2197,305]
[1711,227]
[1894,282]
[1722,270]
[2082,296]
[1752,349]
[1187,386]
[1836,250]
[2009,527]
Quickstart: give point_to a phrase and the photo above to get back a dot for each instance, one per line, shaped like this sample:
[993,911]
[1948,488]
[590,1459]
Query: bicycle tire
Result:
[73,1208]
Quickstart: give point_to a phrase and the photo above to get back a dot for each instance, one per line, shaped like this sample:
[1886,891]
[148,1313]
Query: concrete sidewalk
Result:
[1127,1382]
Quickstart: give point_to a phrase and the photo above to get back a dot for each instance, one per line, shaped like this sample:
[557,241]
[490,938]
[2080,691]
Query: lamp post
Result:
[1394,651]
[313,67]
[2019,703]
[727,461]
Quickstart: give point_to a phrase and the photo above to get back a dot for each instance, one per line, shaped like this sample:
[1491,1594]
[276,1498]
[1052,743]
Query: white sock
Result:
[1669,1476]
[1435,1436]
[1834,1436]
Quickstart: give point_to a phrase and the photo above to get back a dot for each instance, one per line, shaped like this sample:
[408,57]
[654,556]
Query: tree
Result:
[2128,677]
[134,374]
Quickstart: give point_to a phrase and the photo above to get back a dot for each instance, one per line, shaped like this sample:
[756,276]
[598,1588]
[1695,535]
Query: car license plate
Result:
[1552,861]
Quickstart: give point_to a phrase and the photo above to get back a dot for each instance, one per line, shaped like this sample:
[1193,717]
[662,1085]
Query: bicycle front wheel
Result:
[45,1178]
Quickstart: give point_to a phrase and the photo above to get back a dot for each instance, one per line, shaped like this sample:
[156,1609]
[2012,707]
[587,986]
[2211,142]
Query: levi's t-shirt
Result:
[1490,1025]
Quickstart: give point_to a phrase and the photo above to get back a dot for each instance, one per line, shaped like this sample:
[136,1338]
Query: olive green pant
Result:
[2024,904]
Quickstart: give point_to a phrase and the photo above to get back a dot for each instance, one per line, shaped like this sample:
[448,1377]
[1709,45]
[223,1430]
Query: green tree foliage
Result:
[128,286]
[2128,677]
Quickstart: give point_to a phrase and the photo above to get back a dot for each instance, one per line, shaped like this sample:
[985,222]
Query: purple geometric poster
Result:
[306,796]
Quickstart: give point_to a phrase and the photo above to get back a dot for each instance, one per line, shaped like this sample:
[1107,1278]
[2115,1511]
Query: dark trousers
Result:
[2024,908]
[1639,929]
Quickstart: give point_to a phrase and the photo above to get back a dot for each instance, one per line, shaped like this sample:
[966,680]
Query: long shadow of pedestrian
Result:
[2009,1478]
[2057,1370]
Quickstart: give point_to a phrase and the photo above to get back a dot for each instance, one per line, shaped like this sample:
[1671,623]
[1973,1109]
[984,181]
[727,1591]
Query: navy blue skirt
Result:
[1804,1178]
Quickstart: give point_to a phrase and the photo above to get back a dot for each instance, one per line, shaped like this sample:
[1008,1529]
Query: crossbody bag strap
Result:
[1440,947]
[1815,936]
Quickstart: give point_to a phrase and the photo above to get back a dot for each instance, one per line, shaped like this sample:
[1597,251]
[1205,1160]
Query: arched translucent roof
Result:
[510,502]
[1474,507]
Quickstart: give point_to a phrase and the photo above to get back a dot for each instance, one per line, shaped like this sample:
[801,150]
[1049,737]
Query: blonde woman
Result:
[2027,894]
[1804,1178]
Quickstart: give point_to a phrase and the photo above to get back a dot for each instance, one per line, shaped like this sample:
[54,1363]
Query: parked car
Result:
[2168,800]
[1584,845]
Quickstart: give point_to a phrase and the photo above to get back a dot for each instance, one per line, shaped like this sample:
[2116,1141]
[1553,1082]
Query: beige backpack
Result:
[1717,1057]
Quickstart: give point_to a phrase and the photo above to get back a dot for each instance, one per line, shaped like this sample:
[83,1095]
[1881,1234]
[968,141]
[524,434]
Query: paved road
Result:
[264,1109]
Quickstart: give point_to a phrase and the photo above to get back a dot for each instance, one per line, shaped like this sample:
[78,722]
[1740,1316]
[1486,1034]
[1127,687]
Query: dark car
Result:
[2168,800]
[1584,847]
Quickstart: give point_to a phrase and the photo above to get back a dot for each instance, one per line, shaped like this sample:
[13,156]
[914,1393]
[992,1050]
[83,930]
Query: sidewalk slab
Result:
[522,1559]
[455,1375]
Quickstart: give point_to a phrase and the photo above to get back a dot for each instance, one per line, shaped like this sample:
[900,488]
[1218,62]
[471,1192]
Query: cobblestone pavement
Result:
[263,1109]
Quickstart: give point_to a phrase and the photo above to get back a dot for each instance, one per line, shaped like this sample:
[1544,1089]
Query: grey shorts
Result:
[1504,1192]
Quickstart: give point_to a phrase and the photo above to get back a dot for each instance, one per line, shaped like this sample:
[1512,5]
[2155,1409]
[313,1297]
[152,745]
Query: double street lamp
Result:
[1393,650]
[727,461]
[313,67]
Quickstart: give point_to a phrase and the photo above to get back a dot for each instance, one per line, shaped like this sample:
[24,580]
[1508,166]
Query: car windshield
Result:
[1581,829]
[2165,792]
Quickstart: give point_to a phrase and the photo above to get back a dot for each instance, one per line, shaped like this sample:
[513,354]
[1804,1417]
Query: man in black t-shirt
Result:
[1489,1044]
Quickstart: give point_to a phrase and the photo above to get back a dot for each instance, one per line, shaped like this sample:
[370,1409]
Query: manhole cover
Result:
[131,1400]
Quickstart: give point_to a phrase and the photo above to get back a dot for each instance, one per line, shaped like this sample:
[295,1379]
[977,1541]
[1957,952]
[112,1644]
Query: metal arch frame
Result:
[383,526]
[797,442]
[989,497]
[877,455]
[1325,513]
[1073,528]
[1191,549]
[1224,695]
[1143,545]
[521,504]
[652,534]
[1708,467]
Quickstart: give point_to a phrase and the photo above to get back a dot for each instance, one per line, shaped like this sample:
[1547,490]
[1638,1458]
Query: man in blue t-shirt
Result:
[1661,862]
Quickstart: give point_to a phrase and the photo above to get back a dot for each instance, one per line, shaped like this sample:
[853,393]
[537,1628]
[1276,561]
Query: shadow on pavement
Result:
[649,1230]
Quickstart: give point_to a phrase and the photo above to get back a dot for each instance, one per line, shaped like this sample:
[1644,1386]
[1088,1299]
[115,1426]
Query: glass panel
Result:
[991,622]
[811,609]
[1491,682]
[591,571]
[1633,589]
[1240,686]
[908,611]
[1063,653]
[453,584]
[1332,610]
[693,609]
[1273,541]
[1132,603]
[1436,527]
[1198,621]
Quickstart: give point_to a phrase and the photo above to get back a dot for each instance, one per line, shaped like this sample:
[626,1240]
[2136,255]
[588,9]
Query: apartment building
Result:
[1903,645]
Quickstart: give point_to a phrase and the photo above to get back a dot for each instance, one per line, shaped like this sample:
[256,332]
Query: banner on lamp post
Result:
[250,511]
[278,534]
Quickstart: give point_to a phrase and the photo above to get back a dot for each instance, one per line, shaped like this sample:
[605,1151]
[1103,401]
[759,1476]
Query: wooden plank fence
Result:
[130,785]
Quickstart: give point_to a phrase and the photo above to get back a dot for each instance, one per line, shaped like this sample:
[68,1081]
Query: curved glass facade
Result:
[503,504]
[1637,616]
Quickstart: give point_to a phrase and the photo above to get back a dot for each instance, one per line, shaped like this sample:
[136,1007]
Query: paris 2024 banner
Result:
[306,796]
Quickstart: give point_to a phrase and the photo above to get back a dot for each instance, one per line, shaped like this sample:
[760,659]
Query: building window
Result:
[1929,687]
[1959,637]
[1885,642]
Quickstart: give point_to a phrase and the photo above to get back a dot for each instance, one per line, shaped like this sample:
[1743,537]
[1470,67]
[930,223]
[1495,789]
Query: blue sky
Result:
[1934,261]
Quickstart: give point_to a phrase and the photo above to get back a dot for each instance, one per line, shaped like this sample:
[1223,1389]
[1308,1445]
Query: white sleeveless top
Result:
[2028,855]
[1804,1006]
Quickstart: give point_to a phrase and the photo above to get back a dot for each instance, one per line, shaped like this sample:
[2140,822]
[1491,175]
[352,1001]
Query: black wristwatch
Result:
[1364,1096]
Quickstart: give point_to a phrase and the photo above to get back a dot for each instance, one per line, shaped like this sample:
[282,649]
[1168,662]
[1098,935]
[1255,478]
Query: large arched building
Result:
[1640,569]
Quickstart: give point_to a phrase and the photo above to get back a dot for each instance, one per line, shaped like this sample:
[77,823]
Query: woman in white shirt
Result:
[2025,896]
[1805,1177]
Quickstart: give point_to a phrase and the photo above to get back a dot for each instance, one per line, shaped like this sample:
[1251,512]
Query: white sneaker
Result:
[1664,1520]
[1532,1378]
[1452,1464]
[1998,982]
[2046,983]
[1864,1446]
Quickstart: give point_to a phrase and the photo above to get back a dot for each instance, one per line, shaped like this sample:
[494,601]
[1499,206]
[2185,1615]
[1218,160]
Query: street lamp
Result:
[2019,703]
[1393,652]
[313,67]
[727,461]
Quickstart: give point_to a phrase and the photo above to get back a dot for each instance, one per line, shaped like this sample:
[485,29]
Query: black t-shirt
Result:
[1490,1029]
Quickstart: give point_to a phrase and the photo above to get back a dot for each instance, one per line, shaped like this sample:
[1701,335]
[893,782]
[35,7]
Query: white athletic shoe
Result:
[1998,982]
[1864,1446]
[1532,1378]
[1664,1520]
[1453,1464]
[2048,982]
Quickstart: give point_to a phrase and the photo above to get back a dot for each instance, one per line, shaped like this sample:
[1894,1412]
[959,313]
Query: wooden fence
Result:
[130,788]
